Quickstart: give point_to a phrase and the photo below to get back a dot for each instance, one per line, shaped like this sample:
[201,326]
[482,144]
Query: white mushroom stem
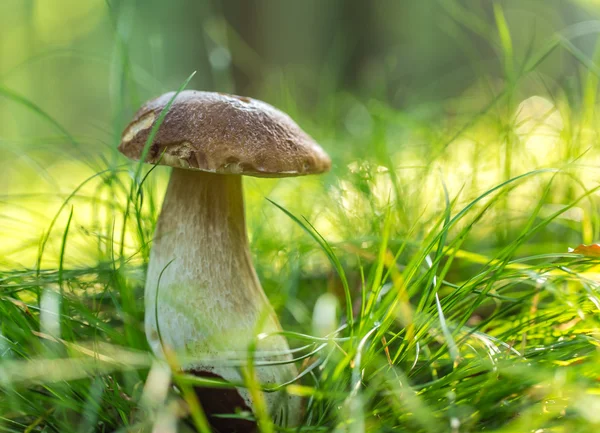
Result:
[210,304]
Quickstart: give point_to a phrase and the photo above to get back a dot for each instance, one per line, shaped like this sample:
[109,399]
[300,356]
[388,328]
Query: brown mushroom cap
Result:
[222,133]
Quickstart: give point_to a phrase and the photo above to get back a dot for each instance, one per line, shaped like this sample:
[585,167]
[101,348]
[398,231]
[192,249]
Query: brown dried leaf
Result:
[592,250]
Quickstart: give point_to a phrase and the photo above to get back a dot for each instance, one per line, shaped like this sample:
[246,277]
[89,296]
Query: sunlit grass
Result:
[473,313]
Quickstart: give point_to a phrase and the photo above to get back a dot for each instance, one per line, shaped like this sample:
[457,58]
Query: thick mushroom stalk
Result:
[204,301]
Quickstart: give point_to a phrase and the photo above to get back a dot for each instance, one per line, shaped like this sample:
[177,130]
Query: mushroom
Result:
[202,296]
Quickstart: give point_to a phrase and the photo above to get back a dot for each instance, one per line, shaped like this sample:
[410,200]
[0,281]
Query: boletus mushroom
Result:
[202,296]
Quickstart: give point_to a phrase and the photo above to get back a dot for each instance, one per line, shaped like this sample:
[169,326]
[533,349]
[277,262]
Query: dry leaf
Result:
[592,250]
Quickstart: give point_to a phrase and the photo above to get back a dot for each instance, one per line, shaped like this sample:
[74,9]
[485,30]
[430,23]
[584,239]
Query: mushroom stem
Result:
[203,298]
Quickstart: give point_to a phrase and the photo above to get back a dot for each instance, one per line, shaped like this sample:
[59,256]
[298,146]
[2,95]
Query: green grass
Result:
[442,243]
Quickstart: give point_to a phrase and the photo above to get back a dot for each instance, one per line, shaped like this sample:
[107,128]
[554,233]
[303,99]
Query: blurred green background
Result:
[471,92]
[412,74]
[69,56]
[409,98]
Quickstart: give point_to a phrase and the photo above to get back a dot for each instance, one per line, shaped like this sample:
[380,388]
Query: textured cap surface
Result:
[222,133]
